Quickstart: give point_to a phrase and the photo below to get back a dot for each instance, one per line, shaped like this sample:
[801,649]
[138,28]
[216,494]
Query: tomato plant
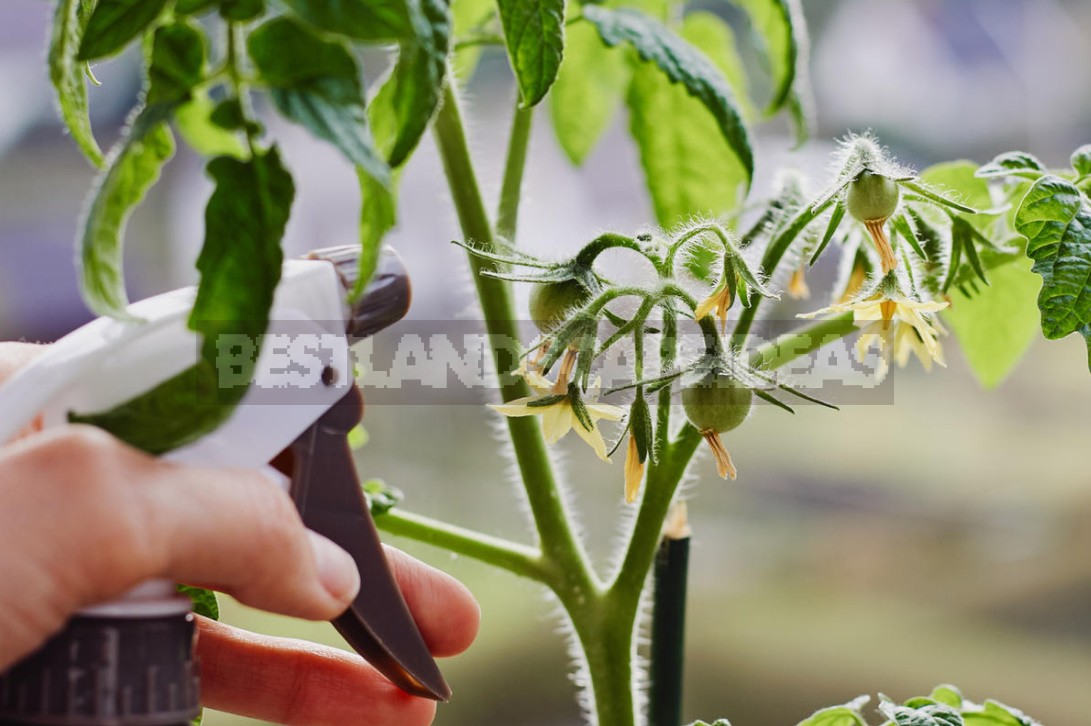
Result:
[911,241]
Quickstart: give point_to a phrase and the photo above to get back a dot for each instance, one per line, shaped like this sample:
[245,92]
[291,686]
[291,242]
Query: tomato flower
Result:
[563,412]
[896,325]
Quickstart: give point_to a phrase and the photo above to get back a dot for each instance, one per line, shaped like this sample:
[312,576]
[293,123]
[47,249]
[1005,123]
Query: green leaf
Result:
[946,693]
[1056,220]
[996,327]
[410,95]
[1013,163]
[241,10]
[689,169]
[316,83]
[587,92]
[378,214]
[380,497]
[534,36]
[195,124]
[132,168]
[846,715]
[782,32]
[177,63]
[240,265]
[681,63]
[177,412]
[371,20]
[240,261]
[67,74]
[113,23]
[931,715]
[1081,160]
[204,601]
[960,177]
[997,714]
[834,222]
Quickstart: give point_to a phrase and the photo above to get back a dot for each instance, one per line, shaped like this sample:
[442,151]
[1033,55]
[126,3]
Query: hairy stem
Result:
[507,216]
[559,544]
[774,253]
[790,346]
[511,556]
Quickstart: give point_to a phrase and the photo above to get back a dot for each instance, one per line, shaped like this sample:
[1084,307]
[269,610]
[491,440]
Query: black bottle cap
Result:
[105,671]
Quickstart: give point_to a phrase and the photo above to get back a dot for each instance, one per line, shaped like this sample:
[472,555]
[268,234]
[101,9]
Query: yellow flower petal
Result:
[604,411]
[518,407]
[557,421]
[634,472]
[593,439]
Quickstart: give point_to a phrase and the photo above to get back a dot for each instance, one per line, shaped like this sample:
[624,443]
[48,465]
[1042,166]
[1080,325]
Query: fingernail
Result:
[336,569]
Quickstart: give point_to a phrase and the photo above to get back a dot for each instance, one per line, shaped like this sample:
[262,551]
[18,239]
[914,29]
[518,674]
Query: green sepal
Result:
[932,195]
[836,216]
[904,227]
[640,423]
[546,401]
[579,408]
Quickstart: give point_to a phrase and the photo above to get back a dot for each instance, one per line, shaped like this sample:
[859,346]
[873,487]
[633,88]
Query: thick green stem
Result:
[608,643]
[660,487]
[790,346]
[559,543]
[507,216]
[513,557]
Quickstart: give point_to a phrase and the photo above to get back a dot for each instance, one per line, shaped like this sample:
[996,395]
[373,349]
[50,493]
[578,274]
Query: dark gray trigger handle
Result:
[326,490]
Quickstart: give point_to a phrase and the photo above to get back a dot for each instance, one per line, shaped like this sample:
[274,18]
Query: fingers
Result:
[297,683]
[14,356]
[446,613]
[85,518]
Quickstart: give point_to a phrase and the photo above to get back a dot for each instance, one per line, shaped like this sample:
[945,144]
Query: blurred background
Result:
[942,536]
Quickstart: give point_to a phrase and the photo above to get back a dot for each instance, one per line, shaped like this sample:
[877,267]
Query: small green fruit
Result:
[872,197]
[551,302]
[717,403]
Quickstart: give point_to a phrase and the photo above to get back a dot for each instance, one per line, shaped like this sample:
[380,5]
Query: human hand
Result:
[86,518]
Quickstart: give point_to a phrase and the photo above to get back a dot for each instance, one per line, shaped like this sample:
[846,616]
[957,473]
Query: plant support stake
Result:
[669,621]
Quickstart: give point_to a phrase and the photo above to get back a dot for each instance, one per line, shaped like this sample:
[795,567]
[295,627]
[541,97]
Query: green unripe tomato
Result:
[872,197]
[551,302]
[716,403]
